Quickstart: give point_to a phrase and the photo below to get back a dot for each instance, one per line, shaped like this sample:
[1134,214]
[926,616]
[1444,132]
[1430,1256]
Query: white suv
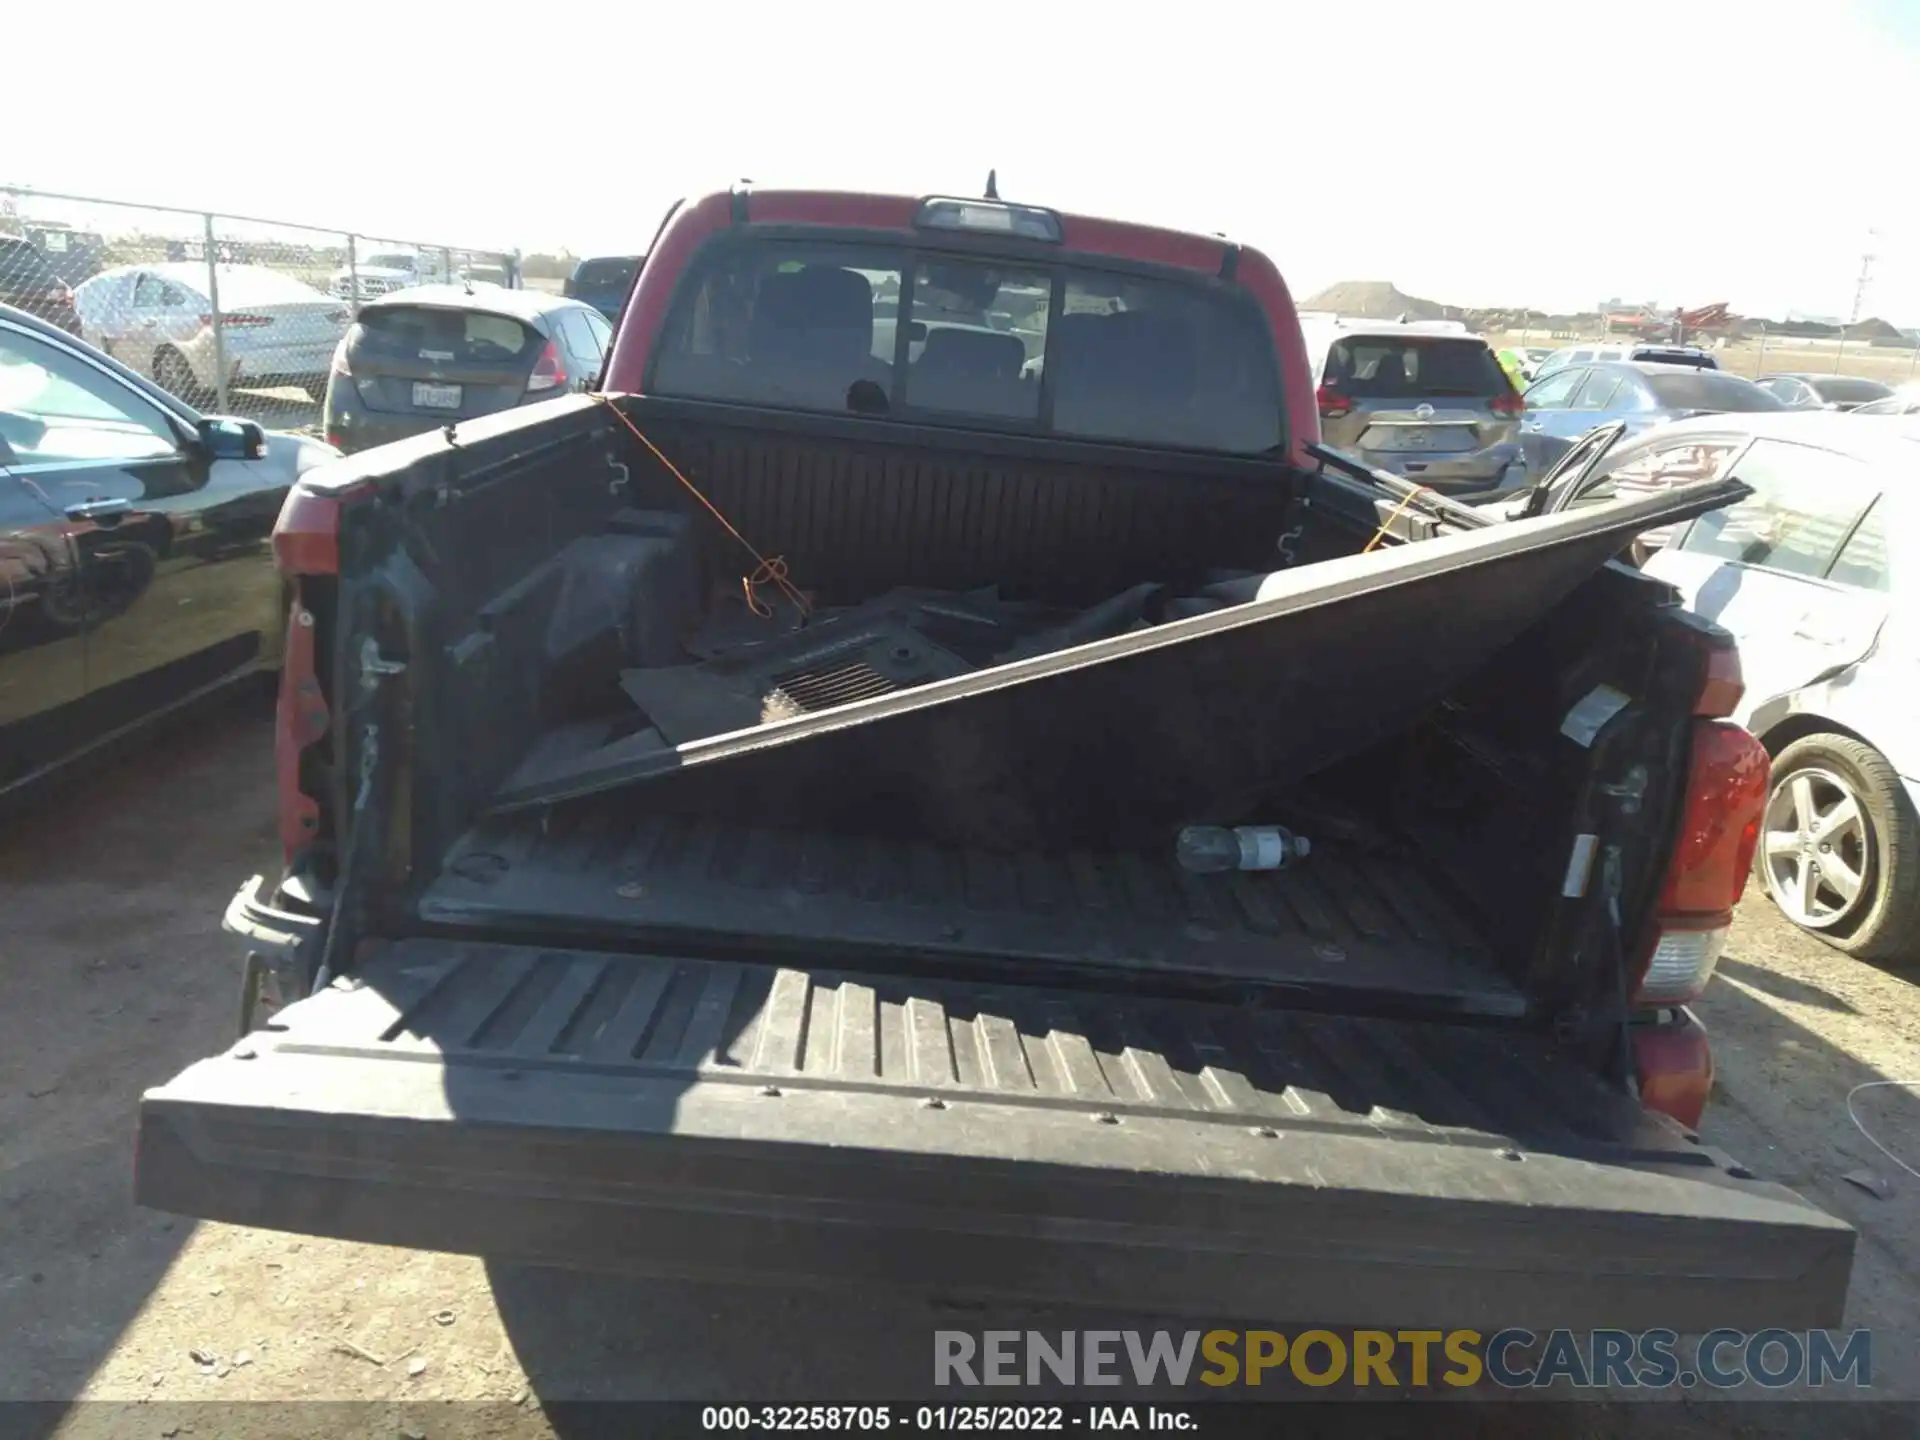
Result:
[382,271]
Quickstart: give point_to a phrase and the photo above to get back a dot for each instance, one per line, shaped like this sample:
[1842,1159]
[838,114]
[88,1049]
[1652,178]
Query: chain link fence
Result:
[232,314]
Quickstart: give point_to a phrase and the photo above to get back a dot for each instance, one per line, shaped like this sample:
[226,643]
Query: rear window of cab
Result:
[1019,345]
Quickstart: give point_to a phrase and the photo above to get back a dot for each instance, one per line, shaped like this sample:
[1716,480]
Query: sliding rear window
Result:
[1368,367]
[1019,345]
[413,333]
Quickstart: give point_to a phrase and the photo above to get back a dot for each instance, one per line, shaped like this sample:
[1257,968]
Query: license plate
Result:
[438,397]
[1415,438]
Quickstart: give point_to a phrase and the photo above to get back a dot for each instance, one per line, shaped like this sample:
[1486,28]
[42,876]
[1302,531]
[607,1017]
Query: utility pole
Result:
[1860,287]
[1859,298]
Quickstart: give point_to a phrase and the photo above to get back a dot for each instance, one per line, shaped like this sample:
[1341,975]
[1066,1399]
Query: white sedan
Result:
[1815,575]
[158,319]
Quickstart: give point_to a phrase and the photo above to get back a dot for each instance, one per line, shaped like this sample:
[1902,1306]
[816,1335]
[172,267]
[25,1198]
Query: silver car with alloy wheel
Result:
[1433,405]
[1817,575]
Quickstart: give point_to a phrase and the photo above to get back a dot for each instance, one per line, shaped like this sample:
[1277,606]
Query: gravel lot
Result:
[113,975]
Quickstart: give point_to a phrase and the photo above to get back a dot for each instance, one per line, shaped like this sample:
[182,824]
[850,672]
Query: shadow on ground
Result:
[1783,987]
[113,976]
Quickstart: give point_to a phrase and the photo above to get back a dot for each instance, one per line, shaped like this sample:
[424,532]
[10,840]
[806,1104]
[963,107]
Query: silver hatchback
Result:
[1435,407]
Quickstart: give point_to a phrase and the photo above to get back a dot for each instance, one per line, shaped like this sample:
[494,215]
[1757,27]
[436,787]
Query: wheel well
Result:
[1798,727]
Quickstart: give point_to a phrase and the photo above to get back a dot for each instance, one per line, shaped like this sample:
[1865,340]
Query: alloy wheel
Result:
[1818,849]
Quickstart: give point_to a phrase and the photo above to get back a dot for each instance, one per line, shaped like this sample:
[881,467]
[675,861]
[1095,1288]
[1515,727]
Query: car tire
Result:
[1882,922]
[172,373]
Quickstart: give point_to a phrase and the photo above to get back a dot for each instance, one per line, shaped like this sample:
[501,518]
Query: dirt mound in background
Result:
[1373,300]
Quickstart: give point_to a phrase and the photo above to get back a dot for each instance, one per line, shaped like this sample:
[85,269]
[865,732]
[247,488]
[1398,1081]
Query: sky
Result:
[1678,151]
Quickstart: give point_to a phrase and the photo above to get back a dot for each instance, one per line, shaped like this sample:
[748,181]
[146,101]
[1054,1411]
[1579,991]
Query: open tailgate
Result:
[725,1120]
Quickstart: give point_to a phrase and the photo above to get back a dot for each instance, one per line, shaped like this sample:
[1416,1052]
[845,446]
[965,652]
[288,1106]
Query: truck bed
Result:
[749,1121]
[1344,921]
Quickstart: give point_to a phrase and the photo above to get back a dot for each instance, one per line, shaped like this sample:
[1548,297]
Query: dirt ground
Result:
[113,975]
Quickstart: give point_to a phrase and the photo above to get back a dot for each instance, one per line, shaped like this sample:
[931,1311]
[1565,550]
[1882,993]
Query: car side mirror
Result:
[917,330]
[226,437]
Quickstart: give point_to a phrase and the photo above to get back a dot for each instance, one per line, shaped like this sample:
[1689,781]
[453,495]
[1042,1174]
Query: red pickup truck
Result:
[730,822]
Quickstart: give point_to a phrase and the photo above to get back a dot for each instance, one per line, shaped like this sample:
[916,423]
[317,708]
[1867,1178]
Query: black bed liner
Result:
[1343,921]
[739,1121]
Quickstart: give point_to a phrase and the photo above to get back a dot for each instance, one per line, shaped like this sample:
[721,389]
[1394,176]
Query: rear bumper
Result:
[295,362]
[1496,468]
[841,1131]
[356,430]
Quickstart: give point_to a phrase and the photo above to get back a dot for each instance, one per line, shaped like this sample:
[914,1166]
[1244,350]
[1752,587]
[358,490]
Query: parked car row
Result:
[1572,399]
[1803,573]
[1632,352]
[159,320]
[134,566]
[1824,392]
[1811,576]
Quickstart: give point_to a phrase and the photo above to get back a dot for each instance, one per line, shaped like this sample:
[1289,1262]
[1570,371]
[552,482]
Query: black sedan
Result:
[136,571]
[1823,392]
[28,282]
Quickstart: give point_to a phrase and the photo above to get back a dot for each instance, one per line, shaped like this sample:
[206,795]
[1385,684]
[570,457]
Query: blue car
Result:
[603,281]
[1566,404]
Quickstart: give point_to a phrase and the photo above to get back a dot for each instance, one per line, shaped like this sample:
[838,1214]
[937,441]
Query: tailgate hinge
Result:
[375,667]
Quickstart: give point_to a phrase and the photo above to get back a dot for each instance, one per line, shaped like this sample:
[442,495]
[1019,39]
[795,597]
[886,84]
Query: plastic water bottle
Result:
[1208,849]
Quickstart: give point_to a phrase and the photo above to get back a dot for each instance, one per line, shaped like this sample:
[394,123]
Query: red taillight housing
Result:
[1332,403]
[306,537]
[1508,405]
[1726,795]
[548,371]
